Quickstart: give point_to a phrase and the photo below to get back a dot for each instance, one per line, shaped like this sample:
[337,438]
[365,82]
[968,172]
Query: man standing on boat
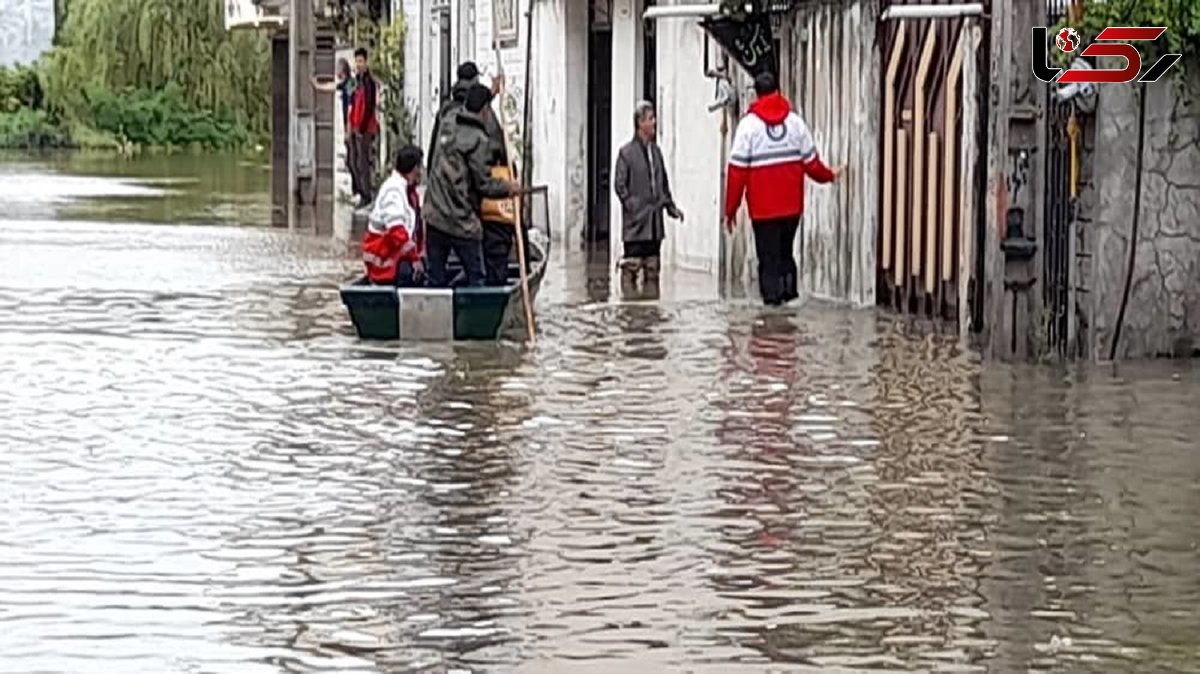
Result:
[459,181]
[468,76]
[640,181]
[498,226]
[364,127]
[773,151]
[394,241]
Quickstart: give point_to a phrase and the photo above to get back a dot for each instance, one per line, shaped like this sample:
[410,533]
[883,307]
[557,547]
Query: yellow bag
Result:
[500,210]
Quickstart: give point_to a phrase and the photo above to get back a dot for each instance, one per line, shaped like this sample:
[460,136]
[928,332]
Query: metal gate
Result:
[931,133]
[1061,175]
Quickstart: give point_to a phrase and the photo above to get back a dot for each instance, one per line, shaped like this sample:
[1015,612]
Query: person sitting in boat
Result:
[393,244]
[458,184]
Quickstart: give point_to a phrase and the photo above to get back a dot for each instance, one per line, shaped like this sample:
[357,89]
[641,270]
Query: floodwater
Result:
[201,470]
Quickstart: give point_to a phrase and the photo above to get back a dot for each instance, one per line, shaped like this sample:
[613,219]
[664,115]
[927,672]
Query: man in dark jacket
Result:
[457,184]
[468,76]
[640,181]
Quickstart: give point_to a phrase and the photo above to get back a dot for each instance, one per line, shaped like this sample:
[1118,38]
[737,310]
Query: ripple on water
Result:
[202,471]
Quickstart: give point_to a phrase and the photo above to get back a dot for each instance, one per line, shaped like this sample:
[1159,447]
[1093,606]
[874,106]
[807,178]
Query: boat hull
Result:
[439,314]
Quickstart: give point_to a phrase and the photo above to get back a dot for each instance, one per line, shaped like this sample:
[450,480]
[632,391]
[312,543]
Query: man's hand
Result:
[838,171]
[418,270]
[674,212]
[730,224]
[497,83]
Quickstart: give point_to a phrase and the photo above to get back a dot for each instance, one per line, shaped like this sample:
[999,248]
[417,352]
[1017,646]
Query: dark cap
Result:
[478,96]
[467,70]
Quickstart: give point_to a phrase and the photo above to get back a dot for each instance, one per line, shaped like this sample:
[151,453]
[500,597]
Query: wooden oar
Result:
[520,230]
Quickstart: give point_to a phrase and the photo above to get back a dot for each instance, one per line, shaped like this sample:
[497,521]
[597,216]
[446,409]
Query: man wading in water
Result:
[640,181]
[773,151]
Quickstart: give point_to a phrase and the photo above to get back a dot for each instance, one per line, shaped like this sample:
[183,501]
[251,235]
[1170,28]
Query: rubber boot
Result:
[630,268]
[651,265]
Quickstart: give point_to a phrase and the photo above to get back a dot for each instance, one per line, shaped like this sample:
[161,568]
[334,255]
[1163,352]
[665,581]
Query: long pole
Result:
[526,110]
[517,224]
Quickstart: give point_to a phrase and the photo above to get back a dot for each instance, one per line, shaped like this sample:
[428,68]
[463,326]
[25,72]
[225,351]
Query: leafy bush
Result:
[159,118]
[19,88]
[26,128]
[1181,17]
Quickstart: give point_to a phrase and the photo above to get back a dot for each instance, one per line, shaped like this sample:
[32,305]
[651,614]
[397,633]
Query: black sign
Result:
[748,40]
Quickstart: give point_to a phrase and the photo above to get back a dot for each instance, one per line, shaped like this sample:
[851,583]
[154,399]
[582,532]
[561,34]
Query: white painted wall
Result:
[627,51]
[413,26]
[690,139]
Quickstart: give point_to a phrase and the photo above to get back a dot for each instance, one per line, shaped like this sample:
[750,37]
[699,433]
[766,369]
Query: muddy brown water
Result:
[201,470]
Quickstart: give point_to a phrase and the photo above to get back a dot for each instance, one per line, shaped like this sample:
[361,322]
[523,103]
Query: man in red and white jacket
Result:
[394,242]
[773,151]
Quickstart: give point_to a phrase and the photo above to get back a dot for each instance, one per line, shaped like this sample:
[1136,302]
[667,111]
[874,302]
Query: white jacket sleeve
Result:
[392,209]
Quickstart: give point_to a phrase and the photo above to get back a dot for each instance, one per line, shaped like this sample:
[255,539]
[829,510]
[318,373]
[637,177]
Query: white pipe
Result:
[932,11]
[680,11]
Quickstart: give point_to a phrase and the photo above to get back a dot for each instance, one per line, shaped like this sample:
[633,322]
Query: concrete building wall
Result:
[691,142]
[415,26]
[1163,312]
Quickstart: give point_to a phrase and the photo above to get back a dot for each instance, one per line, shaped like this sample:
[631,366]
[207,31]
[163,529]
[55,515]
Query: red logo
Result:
[1112,41]
[1067,39]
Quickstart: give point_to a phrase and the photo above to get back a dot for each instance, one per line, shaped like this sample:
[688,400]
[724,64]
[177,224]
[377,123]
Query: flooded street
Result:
[202,470]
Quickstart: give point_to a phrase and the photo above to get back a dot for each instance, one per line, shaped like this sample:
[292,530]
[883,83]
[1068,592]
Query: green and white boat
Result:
[457,313]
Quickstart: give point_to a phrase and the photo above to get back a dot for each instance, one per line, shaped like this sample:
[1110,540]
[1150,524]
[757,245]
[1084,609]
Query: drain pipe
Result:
[1137,211]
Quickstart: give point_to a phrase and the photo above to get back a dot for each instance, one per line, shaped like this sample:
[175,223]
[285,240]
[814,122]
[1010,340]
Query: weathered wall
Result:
[831,70]
[26,30]
[690,138]
[1163,313]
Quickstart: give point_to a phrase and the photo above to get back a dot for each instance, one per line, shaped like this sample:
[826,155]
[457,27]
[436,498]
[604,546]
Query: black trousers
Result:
[778,276]
[361,157]
[497,247]
[438,245]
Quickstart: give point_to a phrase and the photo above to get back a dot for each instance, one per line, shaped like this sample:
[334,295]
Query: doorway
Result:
[599,116]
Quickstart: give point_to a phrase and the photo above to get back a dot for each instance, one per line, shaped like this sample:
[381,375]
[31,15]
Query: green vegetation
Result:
[140,73]
[394,118]
[1181,17]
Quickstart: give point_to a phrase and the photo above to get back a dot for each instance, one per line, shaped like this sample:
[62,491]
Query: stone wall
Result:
[26,30]
[1163,313]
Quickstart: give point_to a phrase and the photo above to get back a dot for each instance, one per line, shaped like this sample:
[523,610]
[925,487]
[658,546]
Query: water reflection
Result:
[202,470]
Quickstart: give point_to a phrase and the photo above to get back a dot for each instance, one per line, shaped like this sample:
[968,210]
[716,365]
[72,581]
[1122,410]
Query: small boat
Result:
[456,313]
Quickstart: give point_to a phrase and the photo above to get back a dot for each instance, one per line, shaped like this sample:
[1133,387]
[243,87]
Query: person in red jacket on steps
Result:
[773,151]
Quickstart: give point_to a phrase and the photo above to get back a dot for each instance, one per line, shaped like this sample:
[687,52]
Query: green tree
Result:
[122,46]
[1181,17]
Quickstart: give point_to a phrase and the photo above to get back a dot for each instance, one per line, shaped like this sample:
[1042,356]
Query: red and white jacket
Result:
[394,231]
[773,151]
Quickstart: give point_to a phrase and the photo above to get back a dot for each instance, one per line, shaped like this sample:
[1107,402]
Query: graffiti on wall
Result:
[26,31]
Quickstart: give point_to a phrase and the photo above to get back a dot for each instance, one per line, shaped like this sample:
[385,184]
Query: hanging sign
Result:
[747,39]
